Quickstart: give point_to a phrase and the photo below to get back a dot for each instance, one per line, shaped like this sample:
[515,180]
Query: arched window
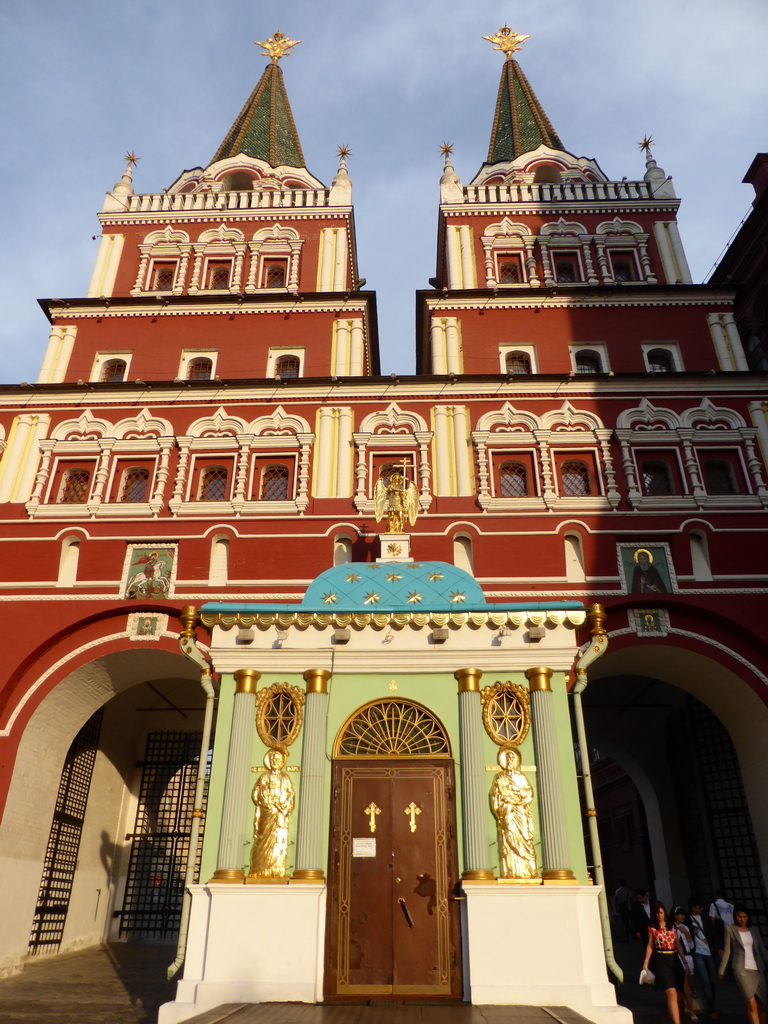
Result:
[567,269]
[113,371]
[135,484]
[575,479]
[660,360]
[218,569]
[163,275]
[238,181]
[287,366]
[275,273]
[462,553]
[274,483]
[700,556]
[719,476]
[657,479]
[509,270]
[214,484]
[518,362]
[574,559]
[219,275]
[70,556]
[624,267]
[75,487]
[342,551]
[200,368]
[548,173]
[588,361]
[513,480]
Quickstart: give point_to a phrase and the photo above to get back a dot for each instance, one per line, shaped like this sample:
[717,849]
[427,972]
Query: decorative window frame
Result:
[692,433]
[391,430]
[665,346]
[626,236]
[670,456]
[277,353]
[570,430]
[279,434]
[101,358]
[188,355]
[599,347]
[527,348]
[508,237]
[263,459]
[165,246]
[506,430]
[559,237]
[218,244]
[142,438]
[275,242]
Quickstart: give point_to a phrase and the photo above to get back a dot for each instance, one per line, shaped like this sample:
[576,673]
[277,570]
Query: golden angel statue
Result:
[273,796]
[511,799]
[398,500]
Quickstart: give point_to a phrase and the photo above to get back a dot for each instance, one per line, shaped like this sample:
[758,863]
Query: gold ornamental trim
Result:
[506,712]
[572,618]
[279,713]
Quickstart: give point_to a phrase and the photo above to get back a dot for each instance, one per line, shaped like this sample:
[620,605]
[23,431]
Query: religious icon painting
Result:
[646,568]
[147,626]
[649,622]
[149,571]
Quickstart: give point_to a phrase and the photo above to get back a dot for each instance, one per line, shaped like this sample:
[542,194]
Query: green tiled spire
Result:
[264,128]
[520,124]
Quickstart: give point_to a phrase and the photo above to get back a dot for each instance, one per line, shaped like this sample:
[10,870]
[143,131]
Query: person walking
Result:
[750,960]
[640,915]
[685,940]
[664,946]
[704,949]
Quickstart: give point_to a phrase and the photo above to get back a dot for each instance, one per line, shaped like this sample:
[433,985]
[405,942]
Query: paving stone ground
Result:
[125,984]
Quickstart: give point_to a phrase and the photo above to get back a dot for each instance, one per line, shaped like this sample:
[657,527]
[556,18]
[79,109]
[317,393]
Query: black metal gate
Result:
[160,839]
[64,840]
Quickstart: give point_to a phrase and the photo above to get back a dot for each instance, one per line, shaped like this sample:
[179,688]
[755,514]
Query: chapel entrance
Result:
[393,919]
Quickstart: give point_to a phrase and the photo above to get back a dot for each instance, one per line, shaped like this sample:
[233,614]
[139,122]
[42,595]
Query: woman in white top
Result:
[750,960]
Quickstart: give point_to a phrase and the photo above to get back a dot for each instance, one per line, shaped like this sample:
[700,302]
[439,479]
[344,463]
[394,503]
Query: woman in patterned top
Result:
[664,947]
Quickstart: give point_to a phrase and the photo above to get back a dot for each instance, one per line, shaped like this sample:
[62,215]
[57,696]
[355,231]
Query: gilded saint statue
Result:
[273,796]
[511,799]
[397,500]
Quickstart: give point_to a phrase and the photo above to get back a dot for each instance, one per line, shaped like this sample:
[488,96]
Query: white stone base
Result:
[539,946]
[251,944]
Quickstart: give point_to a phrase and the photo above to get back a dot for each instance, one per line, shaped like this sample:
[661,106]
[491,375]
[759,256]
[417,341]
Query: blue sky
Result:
[84,81]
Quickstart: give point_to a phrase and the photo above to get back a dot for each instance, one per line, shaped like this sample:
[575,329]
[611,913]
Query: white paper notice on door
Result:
[364,847]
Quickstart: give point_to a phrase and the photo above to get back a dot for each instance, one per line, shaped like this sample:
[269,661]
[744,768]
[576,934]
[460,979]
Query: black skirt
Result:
[668,970]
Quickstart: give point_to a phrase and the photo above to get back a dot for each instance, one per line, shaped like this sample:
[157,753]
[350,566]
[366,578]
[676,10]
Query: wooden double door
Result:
[393,913]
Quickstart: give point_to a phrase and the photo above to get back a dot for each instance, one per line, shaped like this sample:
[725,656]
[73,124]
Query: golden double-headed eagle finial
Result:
[276,46]
[507,41]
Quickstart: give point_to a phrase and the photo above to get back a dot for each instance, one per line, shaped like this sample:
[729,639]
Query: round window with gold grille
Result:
[279,711]
[506,712]
[393,728]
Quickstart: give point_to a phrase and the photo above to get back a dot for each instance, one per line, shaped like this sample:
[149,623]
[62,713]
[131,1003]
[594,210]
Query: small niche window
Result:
[214,484]
[113,371]
[163,275]
[567,270]
[510,269]
[657,479]
[287,366]
[661,360]
[588,361]
[720,477]
[274,483]
[135,484]
[548,174]
[518,362]
[200,368]
[623,266]
[219,275]
[275,273]
[574,476]
[75,486]
[513,480]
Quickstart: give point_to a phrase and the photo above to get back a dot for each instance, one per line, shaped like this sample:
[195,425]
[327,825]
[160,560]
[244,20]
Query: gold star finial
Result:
[276,46]
[131,158]
[646,144]
[507,41]
[447,148]
[344,152]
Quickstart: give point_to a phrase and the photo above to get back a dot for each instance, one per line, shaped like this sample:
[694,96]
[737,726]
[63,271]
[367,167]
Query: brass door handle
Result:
[406,911]
[457,899]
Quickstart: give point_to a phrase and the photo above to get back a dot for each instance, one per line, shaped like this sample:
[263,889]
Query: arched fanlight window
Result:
[113,371]
[575,479]
[720,477]
[393,728]
[75,487]
[214,484]
[513,480]
[661,360]
[287,366]
[657,479]
[200,368]
[274,483]
[588,361]
[518,362]
[135,484]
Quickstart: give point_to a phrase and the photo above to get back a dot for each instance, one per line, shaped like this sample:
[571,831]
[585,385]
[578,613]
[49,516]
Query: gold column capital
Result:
[596,617]
[246,680]
[539,678]
[468,679]
[317,680]
[188,618]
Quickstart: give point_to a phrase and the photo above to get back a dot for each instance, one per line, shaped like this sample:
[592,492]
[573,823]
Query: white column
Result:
[452,351]
[461,448]
[324,452]
[51,355]
[467,257]
[341,362]
[340,261]
[105,269]
[665,251]
[734,341]
[61,364]
[22,457]
[453,258]
[677,248]
[719,341]
[758,413]
[327,239]
[437,337]
[309,829]
[345,475]
[356,349]
[474,786]
[442,450]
